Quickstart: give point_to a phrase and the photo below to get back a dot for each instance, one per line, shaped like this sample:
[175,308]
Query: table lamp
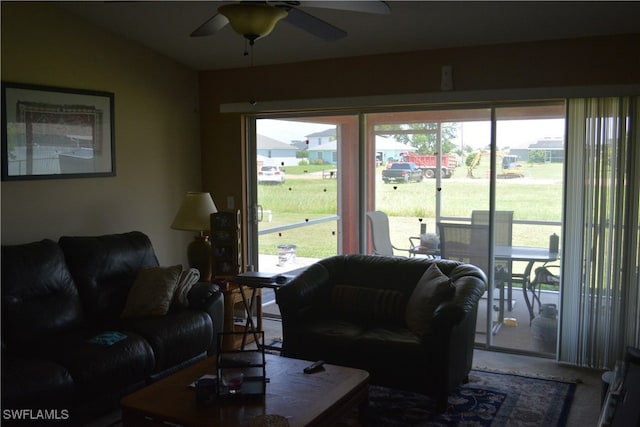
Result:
[194,215]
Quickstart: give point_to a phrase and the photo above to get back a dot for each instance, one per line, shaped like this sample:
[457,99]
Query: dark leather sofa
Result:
[57,297]
[352,310]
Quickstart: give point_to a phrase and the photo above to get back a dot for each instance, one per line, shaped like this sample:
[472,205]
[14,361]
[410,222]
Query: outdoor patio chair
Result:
[503,223]
[470,243]
[380,238]
[543,276]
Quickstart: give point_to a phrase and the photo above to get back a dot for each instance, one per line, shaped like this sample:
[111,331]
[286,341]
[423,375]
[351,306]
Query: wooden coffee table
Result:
[318,399]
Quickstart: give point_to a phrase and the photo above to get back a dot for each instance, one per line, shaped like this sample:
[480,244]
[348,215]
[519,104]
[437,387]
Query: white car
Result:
[274,174]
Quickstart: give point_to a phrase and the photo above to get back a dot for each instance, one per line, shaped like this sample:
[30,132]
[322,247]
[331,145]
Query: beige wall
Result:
[157,138]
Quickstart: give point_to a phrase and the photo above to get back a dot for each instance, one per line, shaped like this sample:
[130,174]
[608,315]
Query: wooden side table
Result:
[252,293]
[234,295]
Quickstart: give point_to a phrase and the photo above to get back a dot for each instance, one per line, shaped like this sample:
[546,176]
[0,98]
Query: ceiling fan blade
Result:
[313,25]
[212,26]
[377,7]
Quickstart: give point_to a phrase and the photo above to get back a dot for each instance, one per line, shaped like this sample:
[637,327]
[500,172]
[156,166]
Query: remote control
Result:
[314,367]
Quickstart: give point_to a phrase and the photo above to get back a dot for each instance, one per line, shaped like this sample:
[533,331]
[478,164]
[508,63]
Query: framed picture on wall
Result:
[50,132]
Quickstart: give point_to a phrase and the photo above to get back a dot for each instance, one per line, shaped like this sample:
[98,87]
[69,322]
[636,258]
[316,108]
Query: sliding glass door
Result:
[441,144]
[301,190]
[528,209]
[494,170]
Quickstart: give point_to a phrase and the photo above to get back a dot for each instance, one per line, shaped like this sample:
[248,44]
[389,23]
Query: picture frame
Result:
[52,132]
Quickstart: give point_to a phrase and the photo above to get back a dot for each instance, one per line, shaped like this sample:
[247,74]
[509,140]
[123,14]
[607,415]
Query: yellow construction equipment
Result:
[509,164]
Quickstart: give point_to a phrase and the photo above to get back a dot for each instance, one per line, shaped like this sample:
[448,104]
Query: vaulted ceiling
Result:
[165,27]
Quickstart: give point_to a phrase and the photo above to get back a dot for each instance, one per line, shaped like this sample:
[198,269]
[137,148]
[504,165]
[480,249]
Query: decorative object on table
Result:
[488,399]
[51,132]
[241,373]
[423,234]
[194,215]
[286,255]
[554,243]
[430,241]
[226,244]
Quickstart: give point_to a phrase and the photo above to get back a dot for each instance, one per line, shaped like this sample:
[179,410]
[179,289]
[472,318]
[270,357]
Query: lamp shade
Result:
[195,212]
[252,20]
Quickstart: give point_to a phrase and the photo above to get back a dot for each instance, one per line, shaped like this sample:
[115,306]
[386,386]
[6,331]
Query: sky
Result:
[511,133]
[287,131]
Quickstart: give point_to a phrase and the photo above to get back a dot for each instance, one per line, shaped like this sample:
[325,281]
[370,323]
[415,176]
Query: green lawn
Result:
[538,196]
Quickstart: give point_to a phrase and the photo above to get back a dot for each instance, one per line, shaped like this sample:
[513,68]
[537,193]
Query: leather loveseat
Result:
[409,322]
[66,347]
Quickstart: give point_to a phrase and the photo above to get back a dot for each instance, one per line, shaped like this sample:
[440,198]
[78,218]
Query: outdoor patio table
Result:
[530,256]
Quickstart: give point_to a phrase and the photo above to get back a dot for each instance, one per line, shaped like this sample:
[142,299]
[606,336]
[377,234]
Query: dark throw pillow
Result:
[432,289]
[152,292]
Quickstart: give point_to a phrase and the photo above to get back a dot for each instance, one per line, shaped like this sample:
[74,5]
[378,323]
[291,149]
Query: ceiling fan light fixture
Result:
[252,20]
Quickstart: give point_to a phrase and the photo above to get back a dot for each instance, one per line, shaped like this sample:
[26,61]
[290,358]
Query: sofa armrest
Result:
[299,295]
[208,297]
[469,288]
[202,294]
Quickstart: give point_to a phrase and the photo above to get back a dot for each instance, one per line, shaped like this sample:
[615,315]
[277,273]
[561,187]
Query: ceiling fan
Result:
[255,19]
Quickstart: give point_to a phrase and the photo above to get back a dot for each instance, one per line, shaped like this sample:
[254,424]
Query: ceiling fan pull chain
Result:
[251,82]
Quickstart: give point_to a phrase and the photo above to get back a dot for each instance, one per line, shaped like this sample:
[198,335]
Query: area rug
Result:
[489,399]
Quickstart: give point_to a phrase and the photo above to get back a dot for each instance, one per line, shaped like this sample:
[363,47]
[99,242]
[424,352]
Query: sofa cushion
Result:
[340,329]
[432,289]
[39,297]
[328,337]
[104,268]
[176,337]
[368,304]
[35,383]
[100,369]
[152,292]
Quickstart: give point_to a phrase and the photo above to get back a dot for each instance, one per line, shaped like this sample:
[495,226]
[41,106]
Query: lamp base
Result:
[199,256]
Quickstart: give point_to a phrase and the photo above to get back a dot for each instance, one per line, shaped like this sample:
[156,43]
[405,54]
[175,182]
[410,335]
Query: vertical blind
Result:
[601,291]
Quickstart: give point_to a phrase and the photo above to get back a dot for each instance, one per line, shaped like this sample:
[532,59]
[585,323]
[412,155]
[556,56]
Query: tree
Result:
[537,156]
[423,136]
[464,151]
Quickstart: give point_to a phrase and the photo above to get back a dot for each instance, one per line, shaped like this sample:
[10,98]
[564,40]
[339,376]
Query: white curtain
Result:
[601,286]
